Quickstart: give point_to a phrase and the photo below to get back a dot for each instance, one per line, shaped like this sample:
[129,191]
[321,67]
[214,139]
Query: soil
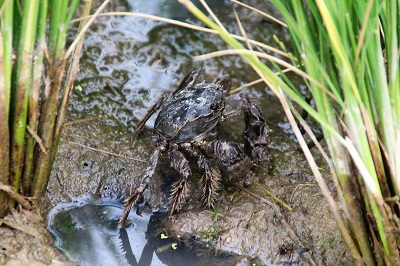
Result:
[25,241]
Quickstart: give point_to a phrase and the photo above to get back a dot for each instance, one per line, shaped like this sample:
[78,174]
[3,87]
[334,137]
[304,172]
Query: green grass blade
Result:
[6,34]
[34,98]
[23,83]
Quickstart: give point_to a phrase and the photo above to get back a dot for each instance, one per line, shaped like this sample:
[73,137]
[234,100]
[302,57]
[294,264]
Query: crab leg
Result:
[149,113]
[189,79]
[210,177]
[180,189]
[210,181]
[134,198]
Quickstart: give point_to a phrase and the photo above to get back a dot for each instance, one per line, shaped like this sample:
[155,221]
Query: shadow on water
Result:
[87,232]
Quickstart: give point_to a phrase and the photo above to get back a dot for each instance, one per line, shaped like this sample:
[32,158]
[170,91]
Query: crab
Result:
[185,120]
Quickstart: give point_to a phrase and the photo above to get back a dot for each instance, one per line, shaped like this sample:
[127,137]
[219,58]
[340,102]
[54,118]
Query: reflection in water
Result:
[87,232]
[172,8]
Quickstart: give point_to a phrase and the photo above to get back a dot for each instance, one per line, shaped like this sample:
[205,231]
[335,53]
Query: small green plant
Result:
[214,212]
[213,232]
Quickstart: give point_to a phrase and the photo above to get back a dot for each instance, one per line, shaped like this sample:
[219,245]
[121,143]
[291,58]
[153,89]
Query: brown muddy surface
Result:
[25,241]
[127,64]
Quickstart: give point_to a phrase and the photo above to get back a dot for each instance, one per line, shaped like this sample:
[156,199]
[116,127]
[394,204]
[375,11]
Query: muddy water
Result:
[127,64]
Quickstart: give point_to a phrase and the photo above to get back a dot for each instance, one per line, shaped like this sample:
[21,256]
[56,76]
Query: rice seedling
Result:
[36,80]
[347,52]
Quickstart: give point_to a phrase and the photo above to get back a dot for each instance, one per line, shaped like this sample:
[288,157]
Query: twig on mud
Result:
[254,195]
[15,195]
[340,256]
[300,185]
[107,152]
[269,193]
[77,121]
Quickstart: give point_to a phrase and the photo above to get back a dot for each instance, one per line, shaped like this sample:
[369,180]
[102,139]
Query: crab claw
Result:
[234,163]
[256,135]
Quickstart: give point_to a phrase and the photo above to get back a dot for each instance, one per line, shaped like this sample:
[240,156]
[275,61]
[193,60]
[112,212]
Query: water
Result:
[86,231]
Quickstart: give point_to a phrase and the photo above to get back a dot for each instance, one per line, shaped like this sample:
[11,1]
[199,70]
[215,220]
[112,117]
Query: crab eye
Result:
[214,106]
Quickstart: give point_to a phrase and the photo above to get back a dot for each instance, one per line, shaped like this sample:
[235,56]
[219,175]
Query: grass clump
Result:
[36,79]
[347,52]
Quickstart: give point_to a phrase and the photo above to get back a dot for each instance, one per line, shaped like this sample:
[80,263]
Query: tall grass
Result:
[348,54]
[36,79]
